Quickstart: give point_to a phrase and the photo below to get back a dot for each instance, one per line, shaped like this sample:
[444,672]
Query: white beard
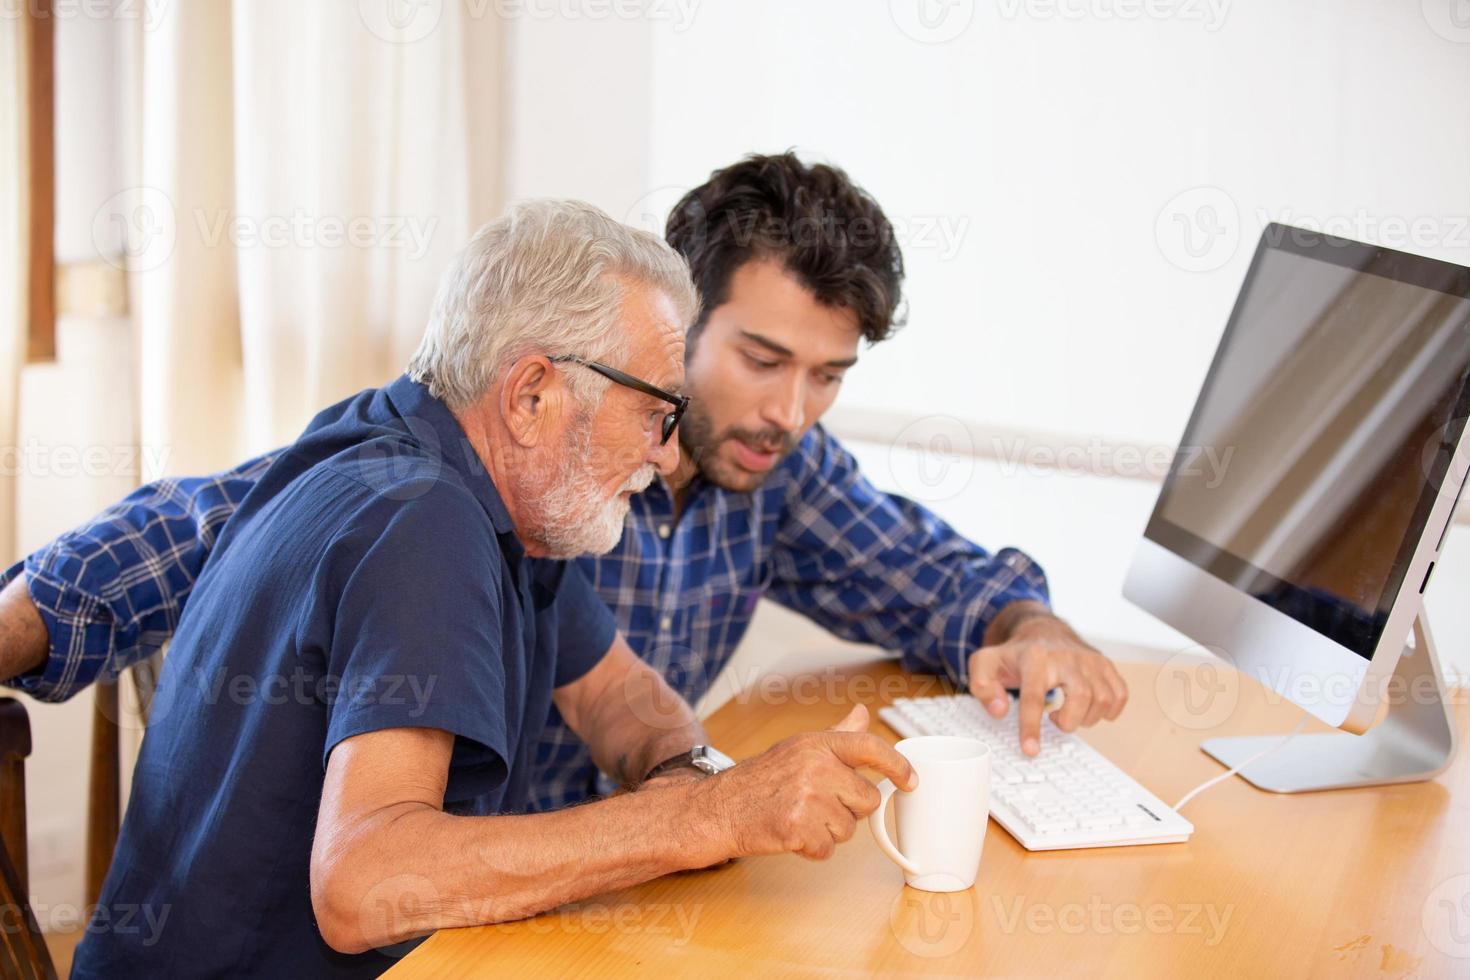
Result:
[571,517]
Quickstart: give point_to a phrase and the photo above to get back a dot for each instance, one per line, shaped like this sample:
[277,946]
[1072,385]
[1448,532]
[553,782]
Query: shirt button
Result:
[663,530]
[667,623]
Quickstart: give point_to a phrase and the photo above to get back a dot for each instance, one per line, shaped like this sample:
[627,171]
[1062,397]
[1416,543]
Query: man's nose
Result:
[665,457]
[785,409]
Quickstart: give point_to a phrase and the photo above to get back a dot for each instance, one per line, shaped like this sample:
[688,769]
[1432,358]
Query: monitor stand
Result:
[1415,740]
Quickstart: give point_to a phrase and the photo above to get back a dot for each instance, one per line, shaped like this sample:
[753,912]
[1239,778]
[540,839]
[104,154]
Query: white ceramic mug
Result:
[941,824]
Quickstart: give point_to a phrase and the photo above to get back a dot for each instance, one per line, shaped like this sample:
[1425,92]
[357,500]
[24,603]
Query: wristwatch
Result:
[705,758]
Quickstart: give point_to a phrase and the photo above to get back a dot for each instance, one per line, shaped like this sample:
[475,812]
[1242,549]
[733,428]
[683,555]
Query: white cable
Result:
[1231,772]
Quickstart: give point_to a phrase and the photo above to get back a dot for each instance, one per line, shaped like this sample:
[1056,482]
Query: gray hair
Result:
[541,279]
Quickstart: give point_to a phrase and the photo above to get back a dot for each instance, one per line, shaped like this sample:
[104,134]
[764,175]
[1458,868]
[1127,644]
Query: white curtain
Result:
[304,173]
[14,258]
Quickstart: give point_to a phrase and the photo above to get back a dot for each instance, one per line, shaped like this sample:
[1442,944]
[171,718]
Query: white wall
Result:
[1034,165]
[1078,192]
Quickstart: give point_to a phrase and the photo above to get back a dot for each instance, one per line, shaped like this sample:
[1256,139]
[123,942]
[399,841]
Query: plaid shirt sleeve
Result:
[111,591]
[878,568]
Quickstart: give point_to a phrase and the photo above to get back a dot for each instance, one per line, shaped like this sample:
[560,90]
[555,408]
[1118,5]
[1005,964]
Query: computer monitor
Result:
[1314,486]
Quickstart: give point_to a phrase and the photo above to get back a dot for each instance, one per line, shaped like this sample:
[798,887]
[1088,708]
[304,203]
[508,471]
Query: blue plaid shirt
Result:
[816,537]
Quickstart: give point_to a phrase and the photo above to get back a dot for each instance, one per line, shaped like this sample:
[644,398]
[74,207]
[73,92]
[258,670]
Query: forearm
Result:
[24,644]
[414,869]
[629,716]
[646,725]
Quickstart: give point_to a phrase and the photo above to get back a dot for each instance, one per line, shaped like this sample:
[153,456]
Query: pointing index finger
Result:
[1034,684]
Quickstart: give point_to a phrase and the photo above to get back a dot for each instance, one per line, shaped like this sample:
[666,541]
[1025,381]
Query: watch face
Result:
[709,759]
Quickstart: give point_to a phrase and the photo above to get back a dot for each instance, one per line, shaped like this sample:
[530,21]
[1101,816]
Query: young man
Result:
[795,267]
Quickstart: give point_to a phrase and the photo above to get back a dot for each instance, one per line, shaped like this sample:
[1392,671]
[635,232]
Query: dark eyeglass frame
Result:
[680,402]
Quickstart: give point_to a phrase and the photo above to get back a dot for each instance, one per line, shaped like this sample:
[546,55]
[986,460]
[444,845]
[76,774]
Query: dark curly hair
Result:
[823,228]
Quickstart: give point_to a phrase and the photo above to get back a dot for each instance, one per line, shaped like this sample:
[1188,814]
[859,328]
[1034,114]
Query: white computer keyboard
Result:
[1068,795]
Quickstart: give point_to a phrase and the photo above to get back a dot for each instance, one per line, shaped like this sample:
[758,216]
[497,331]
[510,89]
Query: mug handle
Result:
[886,790]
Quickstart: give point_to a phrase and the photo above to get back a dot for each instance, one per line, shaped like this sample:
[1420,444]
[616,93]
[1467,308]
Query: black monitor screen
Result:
[1323,431]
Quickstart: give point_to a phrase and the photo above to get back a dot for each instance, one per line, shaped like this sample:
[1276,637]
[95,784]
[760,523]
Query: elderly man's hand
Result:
[1029,648]
[803,794]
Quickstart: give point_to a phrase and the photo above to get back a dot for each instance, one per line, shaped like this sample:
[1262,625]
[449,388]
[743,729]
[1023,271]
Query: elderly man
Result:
[796,267]
[345,724]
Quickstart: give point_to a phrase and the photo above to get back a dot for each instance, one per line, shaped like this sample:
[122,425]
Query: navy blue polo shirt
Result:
[371,580]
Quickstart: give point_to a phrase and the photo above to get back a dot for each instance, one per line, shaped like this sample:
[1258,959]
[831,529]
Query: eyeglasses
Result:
[680,402]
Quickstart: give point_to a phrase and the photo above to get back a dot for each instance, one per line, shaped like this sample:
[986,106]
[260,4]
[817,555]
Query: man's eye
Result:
[760,365]
[830,379]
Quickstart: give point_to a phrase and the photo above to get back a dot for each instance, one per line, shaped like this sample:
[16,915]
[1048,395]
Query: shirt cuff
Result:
[79,627]
[1013,576]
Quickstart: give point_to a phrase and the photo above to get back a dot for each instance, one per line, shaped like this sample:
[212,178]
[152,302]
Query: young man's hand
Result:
[1027,647]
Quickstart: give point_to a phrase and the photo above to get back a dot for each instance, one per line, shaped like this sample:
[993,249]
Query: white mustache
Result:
[639,481]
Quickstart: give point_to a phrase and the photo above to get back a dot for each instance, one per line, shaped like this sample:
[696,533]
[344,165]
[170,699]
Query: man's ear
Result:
[530,399]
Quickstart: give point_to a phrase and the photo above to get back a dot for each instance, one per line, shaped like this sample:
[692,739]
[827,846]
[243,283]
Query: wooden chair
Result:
[24,952]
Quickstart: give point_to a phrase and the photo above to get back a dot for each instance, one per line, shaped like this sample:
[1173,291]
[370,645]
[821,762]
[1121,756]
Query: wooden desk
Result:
[1366,882]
